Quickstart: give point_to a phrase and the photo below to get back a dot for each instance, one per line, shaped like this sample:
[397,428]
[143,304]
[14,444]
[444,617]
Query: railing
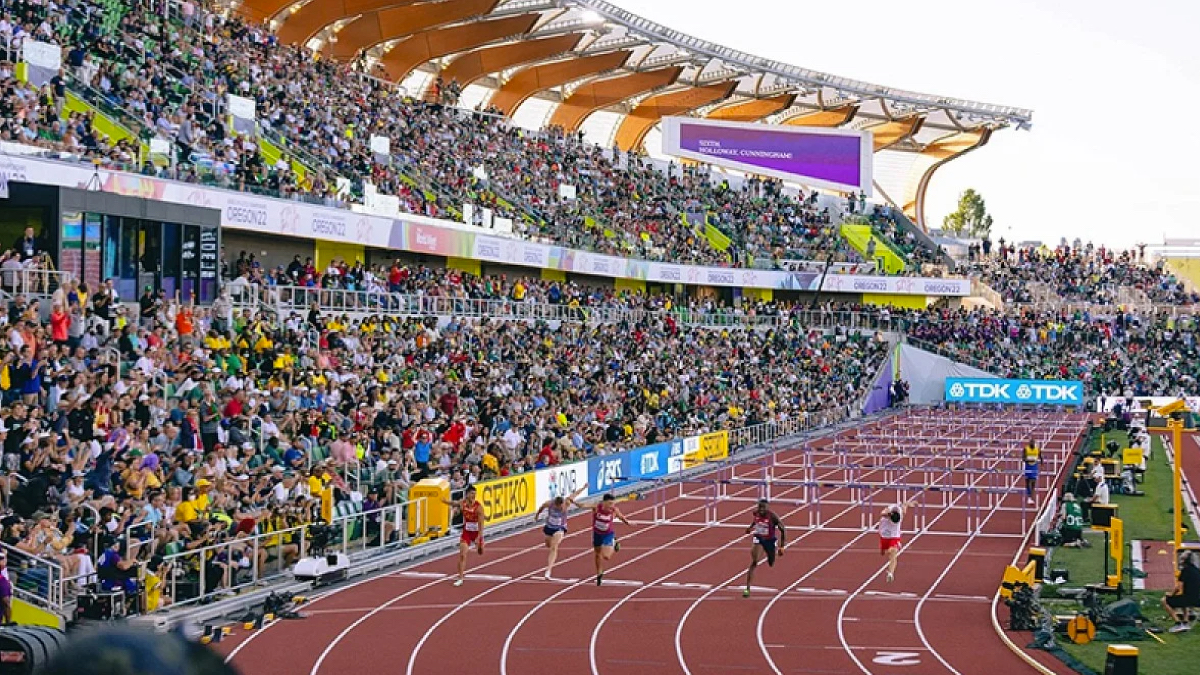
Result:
[32,282]
[198,575]
[36,580]
[298,299]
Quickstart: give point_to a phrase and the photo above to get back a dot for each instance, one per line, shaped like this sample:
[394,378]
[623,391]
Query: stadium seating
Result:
[164,78]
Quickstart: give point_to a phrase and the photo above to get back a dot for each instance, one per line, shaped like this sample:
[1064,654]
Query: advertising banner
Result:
[609,472]
[830,158]
[712,447]
[1039,392]
[655,461]
[561,481]
[507,498]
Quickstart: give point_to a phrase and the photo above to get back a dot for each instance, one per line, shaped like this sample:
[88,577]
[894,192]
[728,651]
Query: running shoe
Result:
[599,578]
[746,593]
[547,576]
[616,546]
[891,577]
[458,582]
[1179,628]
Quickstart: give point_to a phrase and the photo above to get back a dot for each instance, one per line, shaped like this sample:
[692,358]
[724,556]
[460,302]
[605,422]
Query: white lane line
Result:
[845,603]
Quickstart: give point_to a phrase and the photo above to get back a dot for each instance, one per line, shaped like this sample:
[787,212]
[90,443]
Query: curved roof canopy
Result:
[586,56]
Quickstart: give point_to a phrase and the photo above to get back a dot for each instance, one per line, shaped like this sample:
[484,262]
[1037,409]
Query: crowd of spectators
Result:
[168,77]
[1122,353]
[134,429]
[1081,274]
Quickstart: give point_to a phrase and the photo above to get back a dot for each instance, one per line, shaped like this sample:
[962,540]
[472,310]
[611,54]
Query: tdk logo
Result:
[1015,391]
[650,463]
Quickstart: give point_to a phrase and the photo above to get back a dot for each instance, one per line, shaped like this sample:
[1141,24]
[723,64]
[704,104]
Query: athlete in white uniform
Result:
[556,523]
[889,534]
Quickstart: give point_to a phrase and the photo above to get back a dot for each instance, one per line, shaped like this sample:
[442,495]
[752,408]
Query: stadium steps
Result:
[859,235]
[103,123]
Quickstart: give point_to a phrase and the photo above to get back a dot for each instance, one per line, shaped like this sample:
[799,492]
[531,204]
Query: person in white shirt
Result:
[889,534]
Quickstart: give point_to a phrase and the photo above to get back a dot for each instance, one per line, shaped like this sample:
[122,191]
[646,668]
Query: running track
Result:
[671,603]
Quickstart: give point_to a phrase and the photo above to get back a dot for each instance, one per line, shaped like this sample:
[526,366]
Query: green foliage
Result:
[971,219]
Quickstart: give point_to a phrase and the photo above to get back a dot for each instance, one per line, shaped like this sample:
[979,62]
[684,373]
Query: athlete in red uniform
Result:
[604,539]
[472,533]
[763,527]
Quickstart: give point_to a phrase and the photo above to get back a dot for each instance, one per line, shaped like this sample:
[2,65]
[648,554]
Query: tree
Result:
[971,219]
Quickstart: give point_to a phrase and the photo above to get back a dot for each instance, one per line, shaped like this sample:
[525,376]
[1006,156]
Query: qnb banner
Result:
[561,481]
[1039,392]
[836,159]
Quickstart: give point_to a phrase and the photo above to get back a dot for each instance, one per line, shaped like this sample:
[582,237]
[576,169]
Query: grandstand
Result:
[274,263]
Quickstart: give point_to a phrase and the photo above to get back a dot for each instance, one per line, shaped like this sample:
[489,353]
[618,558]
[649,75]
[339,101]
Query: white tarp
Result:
[926,374]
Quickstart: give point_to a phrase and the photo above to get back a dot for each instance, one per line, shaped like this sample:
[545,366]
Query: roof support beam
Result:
[529,81]
[602,93]
[411,52]
[389,24]
[632,132]
[933,157]
[831,118]
[314,17]
[888,134]
[471,66]
[753,110]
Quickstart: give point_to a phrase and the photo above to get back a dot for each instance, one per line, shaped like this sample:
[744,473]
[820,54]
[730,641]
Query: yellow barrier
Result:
[507,498]
[1132,457]
[25,614]
[1116,550]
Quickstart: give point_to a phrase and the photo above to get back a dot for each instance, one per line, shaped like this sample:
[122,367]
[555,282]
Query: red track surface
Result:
[671,603]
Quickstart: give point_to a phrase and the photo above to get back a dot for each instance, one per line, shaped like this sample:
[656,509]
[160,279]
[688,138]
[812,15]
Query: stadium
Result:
[534,336]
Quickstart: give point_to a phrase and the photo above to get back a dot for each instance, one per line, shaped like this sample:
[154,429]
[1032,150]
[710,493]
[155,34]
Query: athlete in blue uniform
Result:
[763,527]
[1033,461]
[556,523]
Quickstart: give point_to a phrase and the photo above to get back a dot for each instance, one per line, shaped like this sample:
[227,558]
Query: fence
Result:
[206,573]
[36,580]
[284,300]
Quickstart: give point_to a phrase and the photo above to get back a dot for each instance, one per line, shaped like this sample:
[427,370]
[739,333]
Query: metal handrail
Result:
[298,299]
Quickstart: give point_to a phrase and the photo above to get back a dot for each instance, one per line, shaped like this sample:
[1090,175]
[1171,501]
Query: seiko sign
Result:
[1040,392]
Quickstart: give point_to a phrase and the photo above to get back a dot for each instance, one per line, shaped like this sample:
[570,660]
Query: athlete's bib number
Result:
[762,529]
[1074,521]
[471,526]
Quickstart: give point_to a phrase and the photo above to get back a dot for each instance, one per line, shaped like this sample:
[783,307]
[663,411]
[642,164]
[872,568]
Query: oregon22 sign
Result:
[1038,392]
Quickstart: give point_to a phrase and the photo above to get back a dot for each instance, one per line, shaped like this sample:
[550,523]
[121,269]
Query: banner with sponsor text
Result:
[507,498]
[1037,392]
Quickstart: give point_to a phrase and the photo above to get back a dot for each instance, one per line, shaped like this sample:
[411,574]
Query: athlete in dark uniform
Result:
[764,528]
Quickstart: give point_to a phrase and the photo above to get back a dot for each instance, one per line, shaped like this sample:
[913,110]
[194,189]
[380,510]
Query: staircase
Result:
[859,235]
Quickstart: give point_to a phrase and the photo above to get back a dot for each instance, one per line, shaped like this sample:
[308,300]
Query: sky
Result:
[1114,86]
